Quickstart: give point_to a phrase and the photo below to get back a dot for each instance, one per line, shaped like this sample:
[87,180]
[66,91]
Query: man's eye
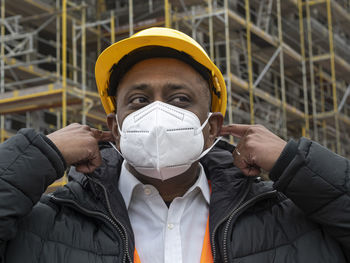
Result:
[180,99]
[138,100]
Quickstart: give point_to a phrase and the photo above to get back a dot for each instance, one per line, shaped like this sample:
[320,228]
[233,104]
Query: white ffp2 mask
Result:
[162,141]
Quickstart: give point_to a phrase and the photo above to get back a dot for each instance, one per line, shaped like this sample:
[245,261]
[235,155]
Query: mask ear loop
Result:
[116,118]
[200,130]
[120,132]
[211,147]
[115,148]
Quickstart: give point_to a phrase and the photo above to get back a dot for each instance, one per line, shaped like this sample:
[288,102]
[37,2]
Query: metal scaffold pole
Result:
[58,40]
[64,63]
[228,65]
[217,56]
[167,13]
[112,27]
[2,83]
[333,76]
[74,51]
[211,30]
[176,19]
[283,84]
[312,76]
[58,56]
[250,65]
[100,9]
[131,18]
[303,68]
[83,62]
[323,108]
[193,22]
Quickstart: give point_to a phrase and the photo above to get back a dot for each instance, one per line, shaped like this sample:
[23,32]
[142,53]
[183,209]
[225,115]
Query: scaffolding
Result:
[286,63]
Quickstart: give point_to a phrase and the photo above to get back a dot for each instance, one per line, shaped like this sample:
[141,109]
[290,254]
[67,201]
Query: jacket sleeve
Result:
[29,163]
[318,182]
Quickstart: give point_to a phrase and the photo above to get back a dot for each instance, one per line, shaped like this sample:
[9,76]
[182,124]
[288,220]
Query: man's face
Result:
[167,80]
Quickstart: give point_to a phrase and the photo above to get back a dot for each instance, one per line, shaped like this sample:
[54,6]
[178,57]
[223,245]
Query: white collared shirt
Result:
[162,234]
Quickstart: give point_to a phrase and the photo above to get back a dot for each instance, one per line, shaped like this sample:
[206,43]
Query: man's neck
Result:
[174,187]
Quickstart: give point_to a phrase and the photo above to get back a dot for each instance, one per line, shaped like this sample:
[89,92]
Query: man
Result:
[153,201]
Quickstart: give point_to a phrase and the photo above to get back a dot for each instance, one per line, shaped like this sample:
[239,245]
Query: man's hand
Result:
[79,145]
[257,148]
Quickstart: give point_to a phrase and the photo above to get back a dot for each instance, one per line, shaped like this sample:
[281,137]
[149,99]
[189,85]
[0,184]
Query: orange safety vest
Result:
[206,257]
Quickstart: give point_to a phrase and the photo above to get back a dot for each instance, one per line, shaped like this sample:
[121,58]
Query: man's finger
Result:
[83,168]
[237,130]
[96,161]
[105,136]
[251,171]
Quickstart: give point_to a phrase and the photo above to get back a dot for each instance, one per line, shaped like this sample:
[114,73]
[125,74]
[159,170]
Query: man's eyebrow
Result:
[140,87]
[174,86]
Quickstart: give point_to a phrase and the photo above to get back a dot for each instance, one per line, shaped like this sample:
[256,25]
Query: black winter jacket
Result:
[303,217]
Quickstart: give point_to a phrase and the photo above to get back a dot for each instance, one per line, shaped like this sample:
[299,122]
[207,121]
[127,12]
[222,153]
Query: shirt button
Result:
[170,226]
[147,191]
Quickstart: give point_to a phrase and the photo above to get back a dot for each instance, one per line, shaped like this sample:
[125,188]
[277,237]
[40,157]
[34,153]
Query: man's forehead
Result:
[169,73]
[118,71]
[162,65]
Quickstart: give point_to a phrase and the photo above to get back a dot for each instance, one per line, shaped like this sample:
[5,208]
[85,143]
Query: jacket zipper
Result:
[125,236]
[89,212]
[224,219]
[121,228]
[235,212]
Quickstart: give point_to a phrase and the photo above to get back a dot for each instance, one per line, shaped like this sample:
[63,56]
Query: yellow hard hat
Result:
[163,37]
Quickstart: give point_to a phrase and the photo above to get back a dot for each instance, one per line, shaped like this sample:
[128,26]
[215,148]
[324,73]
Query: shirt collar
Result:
[202,184]
[128,182]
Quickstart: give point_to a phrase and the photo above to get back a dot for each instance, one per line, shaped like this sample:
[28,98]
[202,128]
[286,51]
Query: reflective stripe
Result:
[136,257]
[207,255]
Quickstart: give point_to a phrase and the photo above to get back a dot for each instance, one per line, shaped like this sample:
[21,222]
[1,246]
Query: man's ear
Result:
[113,127]
[215,123]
